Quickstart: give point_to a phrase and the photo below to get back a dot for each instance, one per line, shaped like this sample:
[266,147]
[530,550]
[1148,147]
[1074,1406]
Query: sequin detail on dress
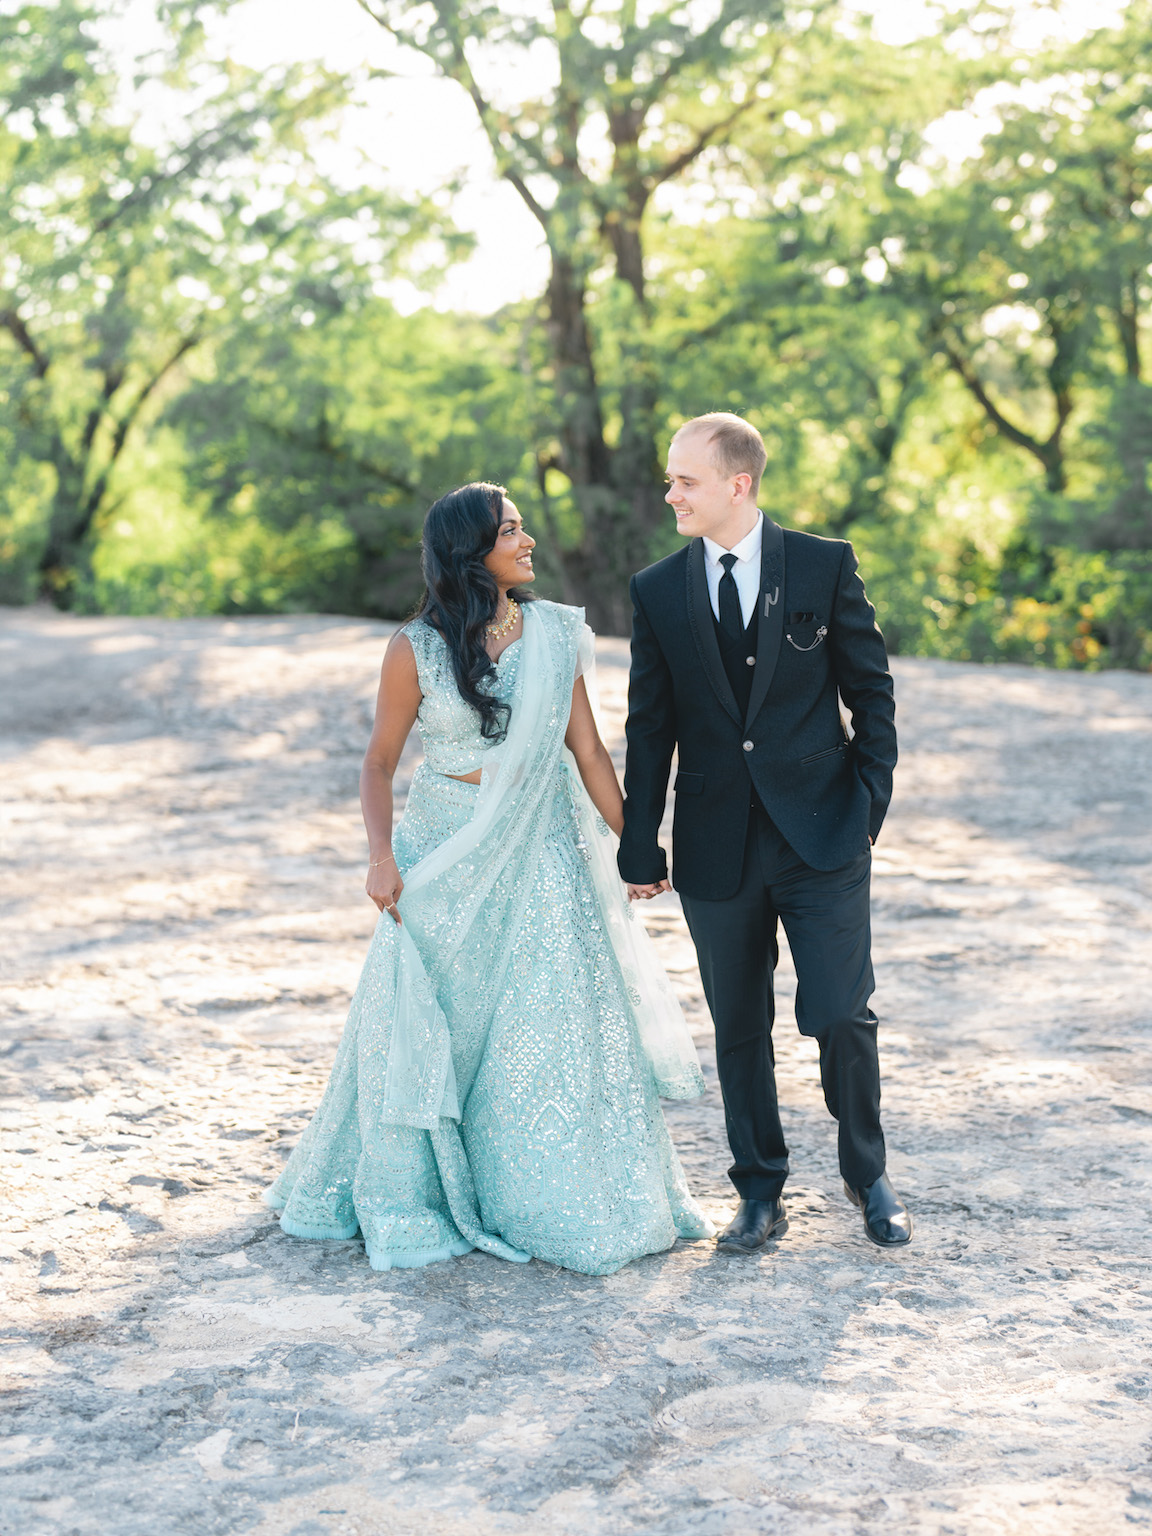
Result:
[560,1150]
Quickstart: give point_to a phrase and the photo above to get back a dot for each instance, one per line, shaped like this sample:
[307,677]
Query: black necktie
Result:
[731,623]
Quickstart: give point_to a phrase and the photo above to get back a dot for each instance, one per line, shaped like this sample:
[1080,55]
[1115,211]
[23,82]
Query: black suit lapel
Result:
[704,630]
[771,616]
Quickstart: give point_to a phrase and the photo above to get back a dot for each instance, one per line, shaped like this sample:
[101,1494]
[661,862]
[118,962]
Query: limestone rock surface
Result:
[181,926]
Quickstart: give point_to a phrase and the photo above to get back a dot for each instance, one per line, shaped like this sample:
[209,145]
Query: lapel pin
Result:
[770,600]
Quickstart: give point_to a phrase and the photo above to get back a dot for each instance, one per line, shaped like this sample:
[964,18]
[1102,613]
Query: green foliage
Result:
[357,421]
[946,361]
[123,259]
[207,404]
[636,97]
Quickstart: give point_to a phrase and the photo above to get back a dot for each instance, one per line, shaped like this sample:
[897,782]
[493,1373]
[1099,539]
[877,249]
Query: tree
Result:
[901,328]
[636,98]
[123,258]
[782,307]
[1033,273]
[1023,271]
[354,424]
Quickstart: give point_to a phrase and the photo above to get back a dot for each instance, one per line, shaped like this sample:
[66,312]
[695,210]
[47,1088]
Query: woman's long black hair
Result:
[461,595]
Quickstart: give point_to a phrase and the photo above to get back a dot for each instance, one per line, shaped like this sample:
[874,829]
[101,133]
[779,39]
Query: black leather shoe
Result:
[887,1220]
[754,1223]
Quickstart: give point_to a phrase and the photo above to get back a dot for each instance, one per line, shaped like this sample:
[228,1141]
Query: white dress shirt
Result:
[745,573]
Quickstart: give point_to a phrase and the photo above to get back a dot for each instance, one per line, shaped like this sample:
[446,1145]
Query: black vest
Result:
[740,658]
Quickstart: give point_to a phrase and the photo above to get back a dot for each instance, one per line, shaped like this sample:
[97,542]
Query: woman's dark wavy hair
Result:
[461,596]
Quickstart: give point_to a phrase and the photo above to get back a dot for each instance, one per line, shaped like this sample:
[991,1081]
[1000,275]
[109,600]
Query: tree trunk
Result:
[617,489]
[1128,522]
[1128,325]
[82,489]
[65,557]
[616,486]
[1048,451]
[586,454]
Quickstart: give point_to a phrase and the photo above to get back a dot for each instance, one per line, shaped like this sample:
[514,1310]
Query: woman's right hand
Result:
[384,885]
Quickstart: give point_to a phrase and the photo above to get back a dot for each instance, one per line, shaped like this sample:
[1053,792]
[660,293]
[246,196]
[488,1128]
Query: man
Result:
[742,644]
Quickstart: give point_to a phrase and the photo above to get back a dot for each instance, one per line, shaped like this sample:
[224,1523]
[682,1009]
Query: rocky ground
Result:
[182,925]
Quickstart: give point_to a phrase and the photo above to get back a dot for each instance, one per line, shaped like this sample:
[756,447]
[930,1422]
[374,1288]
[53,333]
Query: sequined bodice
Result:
[450,728]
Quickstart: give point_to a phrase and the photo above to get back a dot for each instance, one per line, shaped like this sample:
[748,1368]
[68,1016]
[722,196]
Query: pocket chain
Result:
[820,633]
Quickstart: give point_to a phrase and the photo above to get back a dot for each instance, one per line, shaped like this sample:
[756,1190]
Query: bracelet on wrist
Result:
[376,863]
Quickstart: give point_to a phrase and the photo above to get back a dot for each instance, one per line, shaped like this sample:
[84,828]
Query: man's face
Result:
[705,502]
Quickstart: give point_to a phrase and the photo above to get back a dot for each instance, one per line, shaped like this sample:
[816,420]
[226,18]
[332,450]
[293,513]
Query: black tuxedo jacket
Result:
[817,640]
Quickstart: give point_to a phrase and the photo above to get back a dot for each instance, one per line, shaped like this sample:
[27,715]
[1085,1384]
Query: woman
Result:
[496,1085]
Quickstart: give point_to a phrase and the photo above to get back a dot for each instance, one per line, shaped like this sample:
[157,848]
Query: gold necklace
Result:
[498,631]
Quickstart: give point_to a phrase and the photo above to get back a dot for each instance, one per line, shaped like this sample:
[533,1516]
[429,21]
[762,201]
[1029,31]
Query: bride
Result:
[497,1083]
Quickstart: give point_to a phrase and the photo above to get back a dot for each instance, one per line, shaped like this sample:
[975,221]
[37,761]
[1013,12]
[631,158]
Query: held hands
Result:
[646,892]
[384,885]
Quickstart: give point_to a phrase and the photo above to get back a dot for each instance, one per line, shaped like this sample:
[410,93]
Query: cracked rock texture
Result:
[182,927]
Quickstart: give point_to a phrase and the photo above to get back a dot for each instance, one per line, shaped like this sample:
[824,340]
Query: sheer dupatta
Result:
[383,1154]
[463,903]
[662,1029]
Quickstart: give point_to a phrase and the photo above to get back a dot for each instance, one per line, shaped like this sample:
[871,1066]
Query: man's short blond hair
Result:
[737,447]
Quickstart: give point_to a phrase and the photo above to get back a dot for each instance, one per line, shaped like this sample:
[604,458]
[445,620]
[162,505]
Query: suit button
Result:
[748,745]
[750,660]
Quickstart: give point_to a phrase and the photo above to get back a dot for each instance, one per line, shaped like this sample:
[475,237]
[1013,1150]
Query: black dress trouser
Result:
[826,918]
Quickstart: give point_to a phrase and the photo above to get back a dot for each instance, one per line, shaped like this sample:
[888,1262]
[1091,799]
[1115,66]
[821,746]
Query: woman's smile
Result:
[511,558]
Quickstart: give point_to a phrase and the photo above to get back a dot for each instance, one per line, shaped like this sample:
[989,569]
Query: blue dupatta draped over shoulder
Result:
[458,906]
[418,1028]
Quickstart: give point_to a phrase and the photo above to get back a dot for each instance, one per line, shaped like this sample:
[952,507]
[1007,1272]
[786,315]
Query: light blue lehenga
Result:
[497,1083]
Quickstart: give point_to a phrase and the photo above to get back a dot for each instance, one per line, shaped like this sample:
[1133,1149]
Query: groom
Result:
[743,643]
